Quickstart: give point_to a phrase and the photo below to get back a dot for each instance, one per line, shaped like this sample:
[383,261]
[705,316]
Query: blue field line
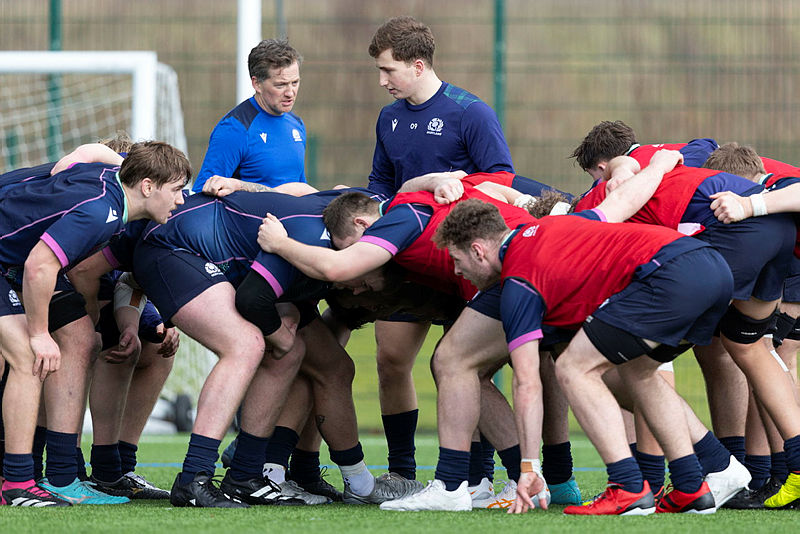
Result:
[376,467]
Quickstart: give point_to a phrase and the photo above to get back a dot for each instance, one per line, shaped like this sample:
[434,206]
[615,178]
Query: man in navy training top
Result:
[46,226]
[432,127]
[261,140]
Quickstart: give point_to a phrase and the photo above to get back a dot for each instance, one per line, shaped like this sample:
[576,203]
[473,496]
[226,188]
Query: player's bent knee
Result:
[742,329]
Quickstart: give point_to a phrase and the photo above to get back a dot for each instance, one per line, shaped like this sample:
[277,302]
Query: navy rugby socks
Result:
[400,429]
[453,468]
[201,456]
[556,462]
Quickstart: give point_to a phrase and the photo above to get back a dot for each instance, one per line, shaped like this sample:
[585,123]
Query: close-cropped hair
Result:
[119,142]
[159,161]
[470,220]
[604,142]
[271,54]
[407,38]
[338,215]
[737,159]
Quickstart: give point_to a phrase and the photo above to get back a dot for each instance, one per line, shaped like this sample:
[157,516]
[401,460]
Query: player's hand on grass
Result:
[529,485]
[129,347]
[729,207]
[171,341]
[47,355]
[220,186]
[270,233]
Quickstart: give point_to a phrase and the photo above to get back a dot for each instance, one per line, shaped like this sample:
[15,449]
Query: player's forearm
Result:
[319,263]
[527,394]
[38,283]
[783,200]
[528,414]
[429,182]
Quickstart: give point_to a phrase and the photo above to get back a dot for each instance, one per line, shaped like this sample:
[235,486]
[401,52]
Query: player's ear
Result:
[419,67]
[361,222]
[147,186]
[477,250]
[254,83]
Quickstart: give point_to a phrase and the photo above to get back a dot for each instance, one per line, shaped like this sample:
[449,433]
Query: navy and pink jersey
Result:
[550,277]
[224,232]
[682,200]
[406,228]
[26,174]
[695,152]
[75,213]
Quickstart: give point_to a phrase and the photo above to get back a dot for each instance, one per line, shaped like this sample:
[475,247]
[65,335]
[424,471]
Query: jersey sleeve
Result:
[697,151]
[278,272]
[484,139]
[382,176]
[399,228]
[522,310]
[225,152]
[80,231]
[593,214]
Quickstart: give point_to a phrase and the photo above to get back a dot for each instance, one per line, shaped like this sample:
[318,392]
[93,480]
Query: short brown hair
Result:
[338,215]
[271,54]
[470,220]
[160,162]
[407,38]
[736,159]
[119,142]
[545,203]
[604,142]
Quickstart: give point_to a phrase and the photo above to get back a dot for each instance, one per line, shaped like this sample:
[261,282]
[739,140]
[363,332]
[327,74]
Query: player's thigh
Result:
[399,341]
[475,341]
[15,343]
[211,318]
[581,357]
[324,356]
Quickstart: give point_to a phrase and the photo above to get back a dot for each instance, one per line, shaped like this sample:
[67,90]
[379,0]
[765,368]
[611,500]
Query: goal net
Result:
[52,102]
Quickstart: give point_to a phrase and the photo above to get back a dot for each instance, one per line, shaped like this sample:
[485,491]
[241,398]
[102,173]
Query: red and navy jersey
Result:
[682,198]
[695,152]
[406,229]
[548,268]
[773,166]
[74,213]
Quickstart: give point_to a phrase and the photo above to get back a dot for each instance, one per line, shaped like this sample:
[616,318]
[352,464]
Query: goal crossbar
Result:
[141,65]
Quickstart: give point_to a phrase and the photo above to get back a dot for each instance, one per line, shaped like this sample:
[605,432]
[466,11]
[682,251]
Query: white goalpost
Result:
[54,101]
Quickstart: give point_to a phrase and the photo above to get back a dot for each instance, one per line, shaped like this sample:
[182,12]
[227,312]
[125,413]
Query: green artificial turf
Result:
[160,457]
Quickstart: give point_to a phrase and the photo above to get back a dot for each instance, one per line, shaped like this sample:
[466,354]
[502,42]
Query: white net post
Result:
[99,94]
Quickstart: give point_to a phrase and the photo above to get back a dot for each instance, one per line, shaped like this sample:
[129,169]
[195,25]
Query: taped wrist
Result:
[127,293]
[255,301]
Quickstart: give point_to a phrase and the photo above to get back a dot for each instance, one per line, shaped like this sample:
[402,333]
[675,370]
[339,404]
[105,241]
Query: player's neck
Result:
[429,84]
[134,203]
